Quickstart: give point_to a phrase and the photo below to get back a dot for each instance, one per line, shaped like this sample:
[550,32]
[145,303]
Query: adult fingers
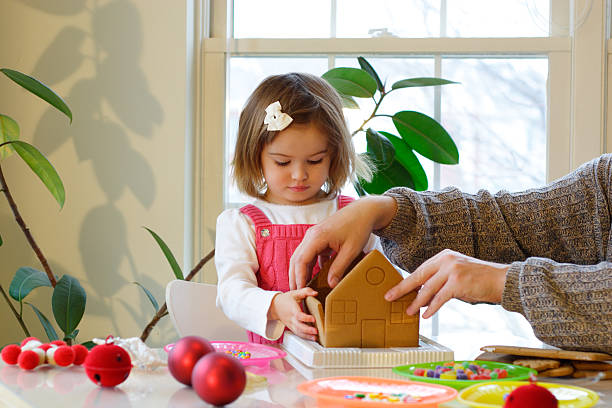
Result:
[428,291]
[414,280]
[444,295]
[304,257]
[340,263]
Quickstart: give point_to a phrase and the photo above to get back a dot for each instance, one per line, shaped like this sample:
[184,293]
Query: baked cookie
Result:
[592,365]
[561,371]
[538,364]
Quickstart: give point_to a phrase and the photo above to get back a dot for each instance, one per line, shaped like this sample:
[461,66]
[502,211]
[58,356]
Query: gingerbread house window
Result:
[344,311]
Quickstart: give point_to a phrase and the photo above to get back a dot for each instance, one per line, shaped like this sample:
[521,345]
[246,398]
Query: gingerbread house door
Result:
[372,333]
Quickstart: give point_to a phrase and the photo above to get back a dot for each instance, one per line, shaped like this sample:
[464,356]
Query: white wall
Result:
[120,65]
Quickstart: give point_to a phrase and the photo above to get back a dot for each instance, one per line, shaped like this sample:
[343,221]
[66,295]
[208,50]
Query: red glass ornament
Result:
[108,365]
[218,378]
[184,356]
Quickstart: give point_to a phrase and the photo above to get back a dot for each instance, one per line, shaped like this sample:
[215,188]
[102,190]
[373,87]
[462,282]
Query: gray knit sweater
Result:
[556,238]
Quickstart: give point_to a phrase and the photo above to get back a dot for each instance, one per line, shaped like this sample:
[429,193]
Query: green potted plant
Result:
[69,298]
[393,155]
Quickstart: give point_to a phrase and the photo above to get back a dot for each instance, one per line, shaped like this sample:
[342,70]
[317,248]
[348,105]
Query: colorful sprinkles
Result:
[462,371]
[239,354]
[383,397]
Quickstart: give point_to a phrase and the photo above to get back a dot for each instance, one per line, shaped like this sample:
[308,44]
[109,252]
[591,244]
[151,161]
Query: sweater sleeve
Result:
[236,262]
[556,238]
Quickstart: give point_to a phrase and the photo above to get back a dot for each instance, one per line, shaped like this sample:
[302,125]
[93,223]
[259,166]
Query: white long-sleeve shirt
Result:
[236,262]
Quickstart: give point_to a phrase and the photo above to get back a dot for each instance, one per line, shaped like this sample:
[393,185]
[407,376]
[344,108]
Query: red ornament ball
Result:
[218,378]
[531,396]
[80,353]
[10,354]
[184,356]
[108,365]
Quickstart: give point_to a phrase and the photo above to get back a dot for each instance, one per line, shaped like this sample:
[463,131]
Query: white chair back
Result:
[193,312]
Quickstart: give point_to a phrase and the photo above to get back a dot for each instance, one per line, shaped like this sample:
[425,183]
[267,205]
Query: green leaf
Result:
[42,168]
[89,344]
[365,65]
[348,102]
[25,280]
[68,302]
[51,333]
[426,136]
[393,176]
[149,295]
[419,82]
[39,89]
[407,158]
[380,149]
[169,256]
[351,81]
[9,130]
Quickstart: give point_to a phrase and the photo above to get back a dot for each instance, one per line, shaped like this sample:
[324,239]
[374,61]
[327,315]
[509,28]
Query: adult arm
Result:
[567,301]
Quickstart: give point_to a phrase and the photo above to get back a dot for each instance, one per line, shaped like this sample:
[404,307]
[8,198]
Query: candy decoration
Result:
[530,396]
[107,364]
[184,356]
[10,354]
[218,378]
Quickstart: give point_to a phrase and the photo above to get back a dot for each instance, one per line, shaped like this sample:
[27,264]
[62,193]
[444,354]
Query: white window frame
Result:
[577,78]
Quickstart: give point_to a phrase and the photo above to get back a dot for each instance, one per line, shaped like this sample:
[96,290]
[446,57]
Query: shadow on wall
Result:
[115,98]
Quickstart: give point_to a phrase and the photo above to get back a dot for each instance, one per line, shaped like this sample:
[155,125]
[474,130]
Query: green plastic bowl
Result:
[515,372]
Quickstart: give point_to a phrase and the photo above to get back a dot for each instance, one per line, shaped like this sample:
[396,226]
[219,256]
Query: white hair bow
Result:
[275,118]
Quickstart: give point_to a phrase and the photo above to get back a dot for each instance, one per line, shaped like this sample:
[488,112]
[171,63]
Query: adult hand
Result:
[346,232]
[286,308]
[448,275]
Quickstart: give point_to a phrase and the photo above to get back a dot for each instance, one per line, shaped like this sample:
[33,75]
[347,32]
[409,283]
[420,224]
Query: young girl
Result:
[293,155]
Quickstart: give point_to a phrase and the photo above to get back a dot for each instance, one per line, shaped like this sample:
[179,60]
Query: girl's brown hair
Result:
[307,99]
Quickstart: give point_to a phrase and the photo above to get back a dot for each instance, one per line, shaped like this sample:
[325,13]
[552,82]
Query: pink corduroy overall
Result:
[275,244]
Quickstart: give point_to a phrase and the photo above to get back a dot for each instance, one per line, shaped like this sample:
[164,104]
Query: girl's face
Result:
[296,165]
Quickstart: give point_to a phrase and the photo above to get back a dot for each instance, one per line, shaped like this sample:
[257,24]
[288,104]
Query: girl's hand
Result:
[448,275]
[286,308]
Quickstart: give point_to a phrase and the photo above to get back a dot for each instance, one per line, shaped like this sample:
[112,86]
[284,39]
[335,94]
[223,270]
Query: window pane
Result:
[497,118]
[497,18]
[282,19]
[398,18]
[244,76]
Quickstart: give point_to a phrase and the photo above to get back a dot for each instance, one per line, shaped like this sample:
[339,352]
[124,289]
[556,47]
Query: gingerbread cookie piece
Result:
[538,364]
[561,371]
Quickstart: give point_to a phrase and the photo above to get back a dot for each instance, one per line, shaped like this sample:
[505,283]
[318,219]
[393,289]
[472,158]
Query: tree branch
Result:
[25,229]
[17,316]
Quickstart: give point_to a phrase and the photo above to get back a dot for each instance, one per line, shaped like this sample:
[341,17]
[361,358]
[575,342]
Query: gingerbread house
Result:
[355,312]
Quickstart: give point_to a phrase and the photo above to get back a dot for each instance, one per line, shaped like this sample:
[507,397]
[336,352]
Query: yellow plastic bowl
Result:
[491,394]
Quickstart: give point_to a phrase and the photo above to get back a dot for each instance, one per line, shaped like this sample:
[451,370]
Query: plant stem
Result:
[17,316]
[382,95]
[25,229]
[163,311]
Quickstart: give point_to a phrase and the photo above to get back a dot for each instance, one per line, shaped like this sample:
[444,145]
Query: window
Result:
[525,70]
